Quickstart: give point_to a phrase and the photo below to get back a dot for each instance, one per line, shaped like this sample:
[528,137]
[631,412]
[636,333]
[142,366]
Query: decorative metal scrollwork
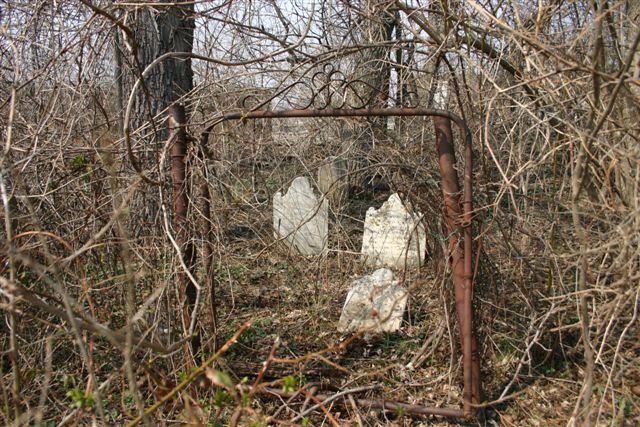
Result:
[329,87]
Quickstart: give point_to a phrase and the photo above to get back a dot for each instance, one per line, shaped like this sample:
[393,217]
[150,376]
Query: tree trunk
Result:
[159,30]
[372,77]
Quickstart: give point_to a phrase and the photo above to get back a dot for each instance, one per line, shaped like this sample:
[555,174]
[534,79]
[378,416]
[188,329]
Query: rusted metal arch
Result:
[462,282]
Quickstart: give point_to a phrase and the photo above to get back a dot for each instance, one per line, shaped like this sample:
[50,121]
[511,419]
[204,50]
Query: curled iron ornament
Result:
[329,88]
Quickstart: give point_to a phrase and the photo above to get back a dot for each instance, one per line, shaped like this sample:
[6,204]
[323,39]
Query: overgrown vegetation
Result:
[92,265]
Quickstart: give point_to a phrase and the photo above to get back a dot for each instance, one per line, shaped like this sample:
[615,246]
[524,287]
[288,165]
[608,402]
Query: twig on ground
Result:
[192,376]
[330,399]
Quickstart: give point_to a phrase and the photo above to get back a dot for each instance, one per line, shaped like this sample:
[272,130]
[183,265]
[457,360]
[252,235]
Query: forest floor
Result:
[298,302]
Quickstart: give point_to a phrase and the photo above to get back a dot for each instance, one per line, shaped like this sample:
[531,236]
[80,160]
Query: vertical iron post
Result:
[461,263]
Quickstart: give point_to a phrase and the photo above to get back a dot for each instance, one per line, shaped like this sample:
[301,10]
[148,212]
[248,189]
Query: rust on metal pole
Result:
[461,262]
[178,149]
[408,408]
[384,404]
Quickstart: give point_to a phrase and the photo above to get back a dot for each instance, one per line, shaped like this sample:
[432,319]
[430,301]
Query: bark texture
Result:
[159,29]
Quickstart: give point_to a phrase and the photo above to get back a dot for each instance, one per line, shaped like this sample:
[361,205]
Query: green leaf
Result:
[289,384]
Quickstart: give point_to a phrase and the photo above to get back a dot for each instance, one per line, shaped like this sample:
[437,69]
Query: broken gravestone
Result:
[333,180]
[300,219]
[375,303]
[393,236]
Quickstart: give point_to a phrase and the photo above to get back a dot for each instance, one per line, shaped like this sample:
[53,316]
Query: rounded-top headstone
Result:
[300,219]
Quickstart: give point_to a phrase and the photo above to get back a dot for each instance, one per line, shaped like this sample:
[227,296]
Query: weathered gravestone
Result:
[300,219]
[393,236]
[375,303]
[333,180]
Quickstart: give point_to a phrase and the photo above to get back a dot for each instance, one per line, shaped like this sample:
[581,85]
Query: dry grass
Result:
[89,272]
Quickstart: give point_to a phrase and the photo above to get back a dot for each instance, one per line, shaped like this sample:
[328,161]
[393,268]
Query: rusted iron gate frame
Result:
[461,263]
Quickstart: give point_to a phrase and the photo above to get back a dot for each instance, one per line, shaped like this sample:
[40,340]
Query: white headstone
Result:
[375,303]
[333,179]
[300,219]
[393,236]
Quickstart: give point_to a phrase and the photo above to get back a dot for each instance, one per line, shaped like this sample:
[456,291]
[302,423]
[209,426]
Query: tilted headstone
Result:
[375,303]
[333,179]
[300,219]
[393,236]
